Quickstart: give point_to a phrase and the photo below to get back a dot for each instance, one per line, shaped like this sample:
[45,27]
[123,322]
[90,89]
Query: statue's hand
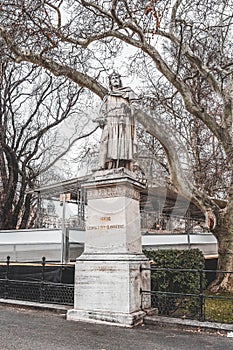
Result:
[126,108]
[122,122]
[100,121]
[101,124]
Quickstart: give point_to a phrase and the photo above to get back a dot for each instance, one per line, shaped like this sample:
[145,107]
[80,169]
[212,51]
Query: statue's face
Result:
[115,81]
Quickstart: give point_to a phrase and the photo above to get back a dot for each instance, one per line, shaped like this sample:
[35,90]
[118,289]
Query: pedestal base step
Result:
[104,317]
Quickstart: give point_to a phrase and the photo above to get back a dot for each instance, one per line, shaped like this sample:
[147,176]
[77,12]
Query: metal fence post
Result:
[42,289]
[201,296]
[7,277]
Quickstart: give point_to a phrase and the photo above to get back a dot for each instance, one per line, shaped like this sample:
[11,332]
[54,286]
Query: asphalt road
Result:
[27,329]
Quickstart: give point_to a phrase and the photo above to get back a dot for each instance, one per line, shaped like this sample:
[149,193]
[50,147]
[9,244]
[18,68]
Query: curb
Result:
[221,328]
[57,308]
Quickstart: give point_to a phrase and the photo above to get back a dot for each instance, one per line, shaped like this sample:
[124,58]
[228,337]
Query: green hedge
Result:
[175,258]
[163,282]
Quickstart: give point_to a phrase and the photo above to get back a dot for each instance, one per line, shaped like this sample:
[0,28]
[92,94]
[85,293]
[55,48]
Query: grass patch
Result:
[219,307]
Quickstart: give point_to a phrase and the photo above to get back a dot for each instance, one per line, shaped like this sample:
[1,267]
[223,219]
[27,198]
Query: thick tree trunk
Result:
[224,235]
[26,212]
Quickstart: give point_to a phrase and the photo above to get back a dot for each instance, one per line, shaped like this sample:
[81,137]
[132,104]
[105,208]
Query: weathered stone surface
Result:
[109,274]
[111,318]
[113,217]
[113,226]
[110,285]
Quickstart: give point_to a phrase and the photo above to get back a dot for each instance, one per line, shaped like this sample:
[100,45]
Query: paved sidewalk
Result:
[183,324]
[29,329]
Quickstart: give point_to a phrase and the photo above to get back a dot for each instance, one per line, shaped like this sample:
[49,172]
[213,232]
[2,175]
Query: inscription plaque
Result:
[105,227]
[117,191]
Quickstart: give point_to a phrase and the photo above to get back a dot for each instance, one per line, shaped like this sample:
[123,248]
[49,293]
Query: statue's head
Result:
[115,80]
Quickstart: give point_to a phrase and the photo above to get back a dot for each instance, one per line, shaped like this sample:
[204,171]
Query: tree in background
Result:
[210,168]
[189,44]
[32,107]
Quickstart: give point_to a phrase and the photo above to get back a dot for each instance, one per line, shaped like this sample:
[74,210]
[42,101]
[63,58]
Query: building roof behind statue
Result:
[163,199]
[67,186]
[168,201]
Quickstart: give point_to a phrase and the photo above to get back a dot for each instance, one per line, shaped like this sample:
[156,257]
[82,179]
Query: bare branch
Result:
[173,16]
[67,149]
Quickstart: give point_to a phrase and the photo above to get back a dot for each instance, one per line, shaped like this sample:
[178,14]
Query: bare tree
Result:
[32,107]
[209,165]
[185,41]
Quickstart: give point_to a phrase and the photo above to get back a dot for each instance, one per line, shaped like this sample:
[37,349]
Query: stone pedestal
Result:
[108,275]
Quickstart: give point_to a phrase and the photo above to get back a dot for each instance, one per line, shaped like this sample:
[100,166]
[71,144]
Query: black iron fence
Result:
[174,292]
[192,300]
[37,283]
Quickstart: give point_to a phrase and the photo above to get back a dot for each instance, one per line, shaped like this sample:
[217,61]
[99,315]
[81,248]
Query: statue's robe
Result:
[118,140]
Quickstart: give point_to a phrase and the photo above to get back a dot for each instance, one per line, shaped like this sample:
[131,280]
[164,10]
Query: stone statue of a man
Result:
[118,141]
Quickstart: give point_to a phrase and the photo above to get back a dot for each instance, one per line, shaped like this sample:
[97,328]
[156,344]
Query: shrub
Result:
[166,282]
